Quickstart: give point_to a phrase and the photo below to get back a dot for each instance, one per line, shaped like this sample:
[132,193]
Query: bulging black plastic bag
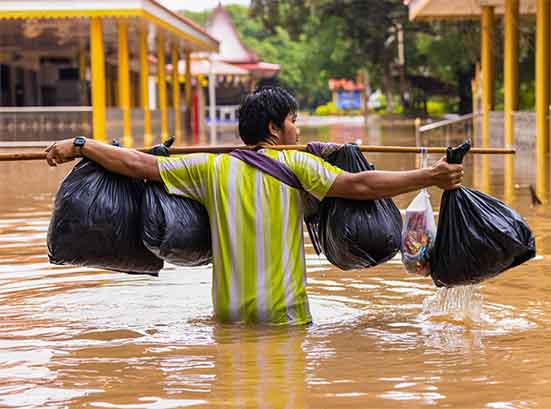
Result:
[352,233]
[478,236]
[97,222]
[175,228]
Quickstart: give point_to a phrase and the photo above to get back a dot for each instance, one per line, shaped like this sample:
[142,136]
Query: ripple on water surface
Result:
[76,337]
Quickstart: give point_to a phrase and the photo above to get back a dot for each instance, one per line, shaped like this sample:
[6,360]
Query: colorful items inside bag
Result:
[418,235]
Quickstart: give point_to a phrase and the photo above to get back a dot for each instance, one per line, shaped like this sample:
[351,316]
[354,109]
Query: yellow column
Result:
[98,79]
[161,81]
[511,86]
[542,99]
[487,59]
[124,82]
[188,90]
[144,86]
[176,95]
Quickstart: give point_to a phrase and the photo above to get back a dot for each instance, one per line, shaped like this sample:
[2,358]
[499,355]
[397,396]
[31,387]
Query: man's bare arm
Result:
[372,185]
[124,161]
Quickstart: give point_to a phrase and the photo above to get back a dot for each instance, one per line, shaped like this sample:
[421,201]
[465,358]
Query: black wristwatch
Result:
[79,142]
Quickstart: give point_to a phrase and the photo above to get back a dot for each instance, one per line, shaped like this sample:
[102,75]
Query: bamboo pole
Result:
[4,157]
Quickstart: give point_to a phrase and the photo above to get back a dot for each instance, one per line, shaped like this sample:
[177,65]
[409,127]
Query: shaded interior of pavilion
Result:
[48,80]
[112,77]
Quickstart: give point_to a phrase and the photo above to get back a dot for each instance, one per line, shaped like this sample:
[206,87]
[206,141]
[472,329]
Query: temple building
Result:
[224,77]
[233,51]
[96,68]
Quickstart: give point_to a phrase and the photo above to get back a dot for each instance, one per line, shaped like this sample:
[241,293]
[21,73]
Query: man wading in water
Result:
[259,272]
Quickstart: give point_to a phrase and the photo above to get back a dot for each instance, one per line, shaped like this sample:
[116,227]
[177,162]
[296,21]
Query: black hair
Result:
[259,108]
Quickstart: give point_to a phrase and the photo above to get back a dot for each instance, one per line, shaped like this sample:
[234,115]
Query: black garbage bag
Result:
[175,228]
[97,222]
[478,236]
[351,233]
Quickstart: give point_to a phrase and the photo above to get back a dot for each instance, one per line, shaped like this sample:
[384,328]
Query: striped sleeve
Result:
[185,175]
[316,175]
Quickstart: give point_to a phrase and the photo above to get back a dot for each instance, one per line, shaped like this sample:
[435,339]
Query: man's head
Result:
[268,116]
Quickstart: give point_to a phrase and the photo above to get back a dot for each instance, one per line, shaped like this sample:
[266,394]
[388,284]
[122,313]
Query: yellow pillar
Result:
[542,99]
[176,95]
[161,81]
[188,90]
[487,59]
[98,79]
[510,66]
[124,82]
[144,86]
[511,21]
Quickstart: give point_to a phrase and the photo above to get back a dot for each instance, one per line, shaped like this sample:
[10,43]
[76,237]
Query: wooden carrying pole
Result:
[4,157]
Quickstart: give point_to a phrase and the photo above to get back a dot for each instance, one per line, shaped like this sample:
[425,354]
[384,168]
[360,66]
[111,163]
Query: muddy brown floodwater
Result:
[73,337]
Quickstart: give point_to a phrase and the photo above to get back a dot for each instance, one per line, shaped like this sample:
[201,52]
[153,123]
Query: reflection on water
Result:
[82,338]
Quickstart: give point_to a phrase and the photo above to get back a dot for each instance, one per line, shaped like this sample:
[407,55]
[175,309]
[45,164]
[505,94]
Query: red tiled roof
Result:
[344,84]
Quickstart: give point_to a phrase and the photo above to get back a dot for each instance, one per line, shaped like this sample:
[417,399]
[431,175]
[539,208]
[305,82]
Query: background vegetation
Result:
[315,40]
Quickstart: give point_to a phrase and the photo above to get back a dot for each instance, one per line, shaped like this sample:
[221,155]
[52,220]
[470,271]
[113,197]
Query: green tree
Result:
[315,40]
[308,59]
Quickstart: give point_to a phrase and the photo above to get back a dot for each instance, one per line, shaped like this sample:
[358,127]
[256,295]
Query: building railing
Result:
[36,126]
[225,114]
[25,124]
[447,131]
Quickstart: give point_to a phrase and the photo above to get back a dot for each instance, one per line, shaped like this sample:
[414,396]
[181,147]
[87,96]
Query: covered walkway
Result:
[96,68]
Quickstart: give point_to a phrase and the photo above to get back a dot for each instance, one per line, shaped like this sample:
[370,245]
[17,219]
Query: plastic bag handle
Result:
[424,157]
[162,149]
[456,155]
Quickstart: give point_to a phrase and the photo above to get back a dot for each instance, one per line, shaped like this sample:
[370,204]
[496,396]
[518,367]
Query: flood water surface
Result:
[73,337]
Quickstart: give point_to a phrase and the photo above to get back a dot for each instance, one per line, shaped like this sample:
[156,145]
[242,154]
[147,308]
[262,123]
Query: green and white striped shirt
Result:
[259,272]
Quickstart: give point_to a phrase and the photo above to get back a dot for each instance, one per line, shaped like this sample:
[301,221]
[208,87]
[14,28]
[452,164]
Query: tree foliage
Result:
[315,40]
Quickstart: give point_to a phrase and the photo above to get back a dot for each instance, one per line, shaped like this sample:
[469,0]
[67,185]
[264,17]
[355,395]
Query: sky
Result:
[199,5]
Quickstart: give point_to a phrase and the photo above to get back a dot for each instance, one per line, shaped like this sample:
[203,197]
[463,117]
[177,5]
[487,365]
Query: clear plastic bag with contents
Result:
[418,235]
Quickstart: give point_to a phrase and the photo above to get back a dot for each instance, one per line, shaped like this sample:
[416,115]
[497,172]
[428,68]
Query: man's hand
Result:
[446,176]
[61,152]
[123,161]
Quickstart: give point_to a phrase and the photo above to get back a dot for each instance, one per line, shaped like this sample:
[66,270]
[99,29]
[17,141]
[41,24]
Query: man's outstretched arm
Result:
[124,161]
[372,185]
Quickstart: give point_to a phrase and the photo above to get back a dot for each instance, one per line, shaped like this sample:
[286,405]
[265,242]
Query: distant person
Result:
[259,269]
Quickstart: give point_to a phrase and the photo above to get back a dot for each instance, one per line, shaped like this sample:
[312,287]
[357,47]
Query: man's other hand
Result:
[61,152]
[447,176]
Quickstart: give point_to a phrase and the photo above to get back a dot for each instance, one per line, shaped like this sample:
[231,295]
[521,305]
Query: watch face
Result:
[79,141]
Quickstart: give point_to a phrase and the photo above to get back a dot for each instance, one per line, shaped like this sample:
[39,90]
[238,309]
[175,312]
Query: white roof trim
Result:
[149,6]
[158,11]
[446,9]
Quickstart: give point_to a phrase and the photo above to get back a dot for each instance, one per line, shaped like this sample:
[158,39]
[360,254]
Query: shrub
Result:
[331,109]
[436,108]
